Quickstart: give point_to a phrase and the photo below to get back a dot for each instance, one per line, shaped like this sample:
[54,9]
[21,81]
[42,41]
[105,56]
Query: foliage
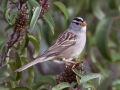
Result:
[102,51]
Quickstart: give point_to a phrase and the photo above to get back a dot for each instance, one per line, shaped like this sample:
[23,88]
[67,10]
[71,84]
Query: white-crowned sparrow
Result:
[68,46]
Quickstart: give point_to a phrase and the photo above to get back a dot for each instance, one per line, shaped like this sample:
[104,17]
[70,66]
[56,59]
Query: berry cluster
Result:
[22,20]
[68,75]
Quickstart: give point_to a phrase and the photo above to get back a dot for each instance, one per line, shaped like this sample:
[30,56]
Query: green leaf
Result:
[78,80]
[12,83]
[50,21]
[13,17]
[15,0]
[78,73]
[116,57]
[29,5]
[18,65]
[4,5]
[12,64]
[34,3]
[44,80]
[6,15]
[17,46]
[35,17]
[35,37]
[9,27]
[114,37]
[73,84]
[97,64]
[47,35]
[92,41]
[79,7]
[61,86]
[2,41]
[25,40]
[89,85]
[116,84]
[21,88]
[90,76]
[30,72]
[3,87]
[24,52]
[39,29]
[102,34]
[2,49]
[62,8]
[34,41]
[96,9]
[43,89]
[106,83]
[113,4]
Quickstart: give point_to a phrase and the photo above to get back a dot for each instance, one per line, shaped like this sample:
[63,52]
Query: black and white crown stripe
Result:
[77,20]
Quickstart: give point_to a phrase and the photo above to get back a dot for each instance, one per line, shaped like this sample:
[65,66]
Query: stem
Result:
[116,29]
[5,83]
[9,44]
[116,17]
[14,37]
[44,3]
[2,65]
[9,56]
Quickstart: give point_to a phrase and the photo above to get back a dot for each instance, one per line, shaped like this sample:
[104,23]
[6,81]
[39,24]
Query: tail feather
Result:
[38,60]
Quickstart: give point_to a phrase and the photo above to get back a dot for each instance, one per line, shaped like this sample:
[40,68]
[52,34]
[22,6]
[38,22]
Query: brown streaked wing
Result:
[66,40]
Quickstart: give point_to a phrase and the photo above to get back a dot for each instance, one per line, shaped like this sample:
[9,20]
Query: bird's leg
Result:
[69,61]
[75,65]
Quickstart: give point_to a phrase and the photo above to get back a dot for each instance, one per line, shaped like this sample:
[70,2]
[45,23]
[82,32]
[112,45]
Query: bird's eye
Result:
[77,23]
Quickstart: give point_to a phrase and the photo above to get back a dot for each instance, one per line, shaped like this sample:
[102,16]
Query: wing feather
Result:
[66,40]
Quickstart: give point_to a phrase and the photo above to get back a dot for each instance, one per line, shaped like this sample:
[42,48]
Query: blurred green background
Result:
[102,51]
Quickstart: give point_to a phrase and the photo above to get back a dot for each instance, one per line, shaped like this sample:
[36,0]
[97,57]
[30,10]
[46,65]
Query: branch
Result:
[9,44]
[3,65]
[14,37]
[45,1]
[5,83]
[116,29]
[116,17]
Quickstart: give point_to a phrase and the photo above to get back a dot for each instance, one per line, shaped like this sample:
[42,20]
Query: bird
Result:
[66,47]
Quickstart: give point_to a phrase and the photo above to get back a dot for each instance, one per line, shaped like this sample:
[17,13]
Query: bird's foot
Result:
[75,64]
[71,62]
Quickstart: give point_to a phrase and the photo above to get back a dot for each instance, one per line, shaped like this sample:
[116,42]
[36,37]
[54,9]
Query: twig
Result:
[78,88]
[9,56]
[3,76]
[15,3]
[116,29]
[3,65]
[9,44]
[44,3]
[5,84]
[21,3]
[116,17]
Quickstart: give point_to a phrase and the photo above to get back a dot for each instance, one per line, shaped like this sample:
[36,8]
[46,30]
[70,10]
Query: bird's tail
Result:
[38,60]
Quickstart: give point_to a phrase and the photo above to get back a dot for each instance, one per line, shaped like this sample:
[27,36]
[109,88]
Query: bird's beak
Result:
[84,24]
